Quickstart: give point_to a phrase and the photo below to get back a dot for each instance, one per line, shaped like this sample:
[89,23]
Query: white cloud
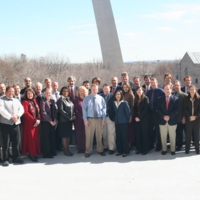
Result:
[80,26]
[176,12]
[119,21]
[190,21]
[83,32]
[185,7]
[9,38]
[176,15]
[134,35]
[165,28]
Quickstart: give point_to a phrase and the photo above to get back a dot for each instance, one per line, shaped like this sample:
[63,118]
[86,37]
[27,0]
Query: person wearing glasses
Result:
[28,84]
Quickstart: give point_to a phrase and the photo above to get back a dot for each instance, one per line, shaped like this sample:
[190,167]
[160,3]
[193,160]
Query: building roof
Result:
[195,57]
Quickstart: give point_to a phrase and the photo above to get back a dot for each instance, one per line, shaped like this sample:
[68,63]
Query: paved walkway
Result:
[151,177]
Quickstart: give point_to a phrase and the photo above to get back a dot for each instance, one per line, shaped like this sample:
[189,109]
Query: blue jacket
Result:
[122,112]
[172,111]
[157,93]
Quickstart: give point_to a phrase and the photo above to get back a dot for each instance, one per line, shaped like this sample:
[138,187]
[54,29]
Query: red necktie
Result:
[167,102]
[113,90]
[72,94]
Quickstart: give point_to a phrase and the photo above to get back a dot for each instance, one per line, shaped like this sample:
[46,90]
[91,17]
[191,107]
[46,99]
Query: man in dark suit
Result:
[154,132]
[47,83]
[71,85]
[114,85]
[168,118]
[188,82]
[125,79]
[147,85]
[137,84]
[109,136]
[17,94]
[181,117]
[28,84]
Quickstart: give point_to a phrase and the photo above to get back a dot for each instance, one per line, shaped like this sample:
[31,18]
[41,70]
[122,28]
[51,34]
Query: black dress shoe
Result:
[47,156]
[67,153]
[87,155]
[111,152]
[18,161]
[102,153]
[71,153]
[105,150]
[144,153]
[32,158]
[173,153]
[164,152]
[79,151]
[54,154]
[118,154]
[178,148]
[5,164]
[157,149]
[83,151]
[124,155]
[138,152]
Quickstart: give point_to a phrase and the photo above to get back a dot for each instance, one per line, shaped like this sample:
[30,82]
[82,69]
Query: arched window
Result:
[176,77]
[196,80]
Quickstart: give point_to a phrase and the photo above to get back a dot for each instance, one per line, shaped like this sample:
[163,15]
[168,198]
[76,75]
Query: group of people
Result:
[119,115]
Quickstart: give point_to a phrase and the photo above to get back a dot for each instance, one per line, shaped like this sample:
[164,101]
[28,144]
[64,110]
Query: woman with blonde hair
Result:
[82,92]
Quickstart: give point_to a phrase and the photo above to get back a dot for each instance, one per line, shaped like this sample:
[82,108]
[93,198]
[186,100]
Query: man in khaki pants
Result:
[167,109]
[109,136]
[94,115]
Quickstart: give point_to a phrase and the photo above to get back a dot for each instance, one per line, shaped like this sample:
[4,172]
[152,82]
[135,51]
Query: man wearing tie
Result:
[114,85]
[188,83]
[125,79]
[154,132]
[55,92]
[94,115]
[28,84]
[109,136]
[17,94]
[71,85]
[38,91]
[47,83]
[167,109]
[181,115]
[147,85]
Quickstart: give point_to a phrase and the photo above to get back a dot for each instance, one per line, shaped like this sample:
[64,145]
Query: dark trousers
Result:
[122,138]
[10,133]
[58,139]
[192,127]
[142,137]
[48,139]
[179,134]
[154,130]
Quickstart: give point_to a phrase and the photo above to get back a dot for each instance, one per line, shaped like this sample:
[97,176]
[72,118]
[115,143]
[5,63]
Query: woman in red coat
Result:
[31,120]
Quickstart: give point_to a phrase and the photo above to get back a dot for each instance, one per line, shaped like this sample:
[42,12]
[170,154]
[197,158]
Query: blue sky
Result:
[147,29]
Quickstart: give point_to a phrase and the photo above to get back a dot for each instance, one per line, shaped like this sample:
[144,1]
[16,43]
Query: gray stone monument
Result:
[110,47]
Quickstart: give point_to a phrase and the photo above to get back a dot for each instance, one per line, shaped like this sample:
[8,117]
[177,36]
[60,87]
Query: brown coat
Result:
[130,99]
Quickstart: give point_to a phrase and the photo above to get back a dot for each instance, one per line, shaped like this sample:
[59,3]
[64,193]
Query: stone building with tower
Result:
[189,66]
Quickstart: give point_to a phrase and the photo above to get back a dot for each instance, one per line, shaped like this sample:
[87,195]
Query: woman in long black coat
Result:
[141,115]
[192,118]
